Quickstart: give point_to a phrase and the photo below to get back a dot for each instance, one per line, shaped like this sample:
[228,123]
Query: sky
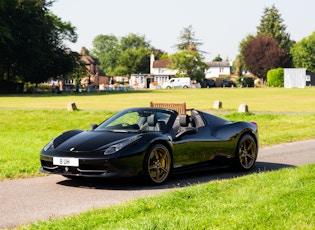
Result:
[219,25]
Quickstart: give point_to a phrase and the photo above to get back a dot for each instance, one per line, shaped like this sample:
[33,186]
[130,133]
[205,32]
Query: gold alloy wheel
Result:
[158,164]
[247,152]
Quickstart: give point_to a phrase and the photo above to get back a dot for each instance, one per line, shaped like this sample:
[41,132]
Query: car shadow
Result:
[178,180]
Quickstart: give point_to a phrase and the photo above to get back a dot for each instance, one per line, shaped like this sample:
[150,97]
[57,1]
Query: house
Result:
[95,76]
[159,73]
[217,69]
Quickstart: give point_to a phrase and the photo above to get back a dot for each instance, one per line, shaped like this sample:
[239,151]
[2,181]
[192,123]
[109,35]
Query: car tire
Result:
[246,153]
[157,164]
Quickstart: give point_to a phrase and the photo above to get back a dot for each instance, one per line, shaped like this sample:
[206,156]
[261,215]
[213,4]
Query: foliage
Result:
[133,41]
[245,81]
[124,56]
[31,42]
[257,59]
[303,53]
[261,54]
[189,64]
[106,50]
[240,59]
[217,58]
[189,60]
[275,77]
[272,24]
[134,60]
[187,40]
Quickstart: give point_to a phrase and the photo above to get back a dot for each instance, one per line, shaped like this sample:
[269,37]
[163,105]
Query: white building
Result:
[159,73]
[215,69]
[295,78]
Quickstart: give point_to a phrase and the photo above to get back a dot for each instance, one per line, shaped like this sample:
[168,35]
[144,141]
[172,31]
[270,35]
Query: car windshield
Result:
[136,121]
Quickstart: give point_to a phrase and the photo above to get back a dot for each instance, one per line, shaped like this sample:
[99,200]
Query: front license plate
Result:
[66,161]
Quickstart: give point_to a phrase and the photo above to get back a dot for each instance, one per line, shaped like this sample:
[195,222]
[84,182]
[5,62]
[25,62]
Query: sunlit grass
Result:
[26,132]
[257,99]
[28,122]
[274,200]
[281,199]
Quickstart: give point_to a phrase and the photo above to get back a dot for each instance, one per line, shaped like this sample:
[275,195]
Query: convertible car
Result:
[152,143]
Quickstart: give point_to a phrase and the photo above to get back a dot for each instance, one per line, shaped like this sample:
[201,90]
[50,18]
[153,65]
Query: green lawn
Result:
[26,132]
[281,199]
[28,122]
[257,99]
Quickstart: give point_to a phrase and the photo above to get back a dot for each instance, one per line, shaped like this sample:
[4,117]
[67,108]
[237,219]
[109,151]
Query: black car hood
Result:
[91,140]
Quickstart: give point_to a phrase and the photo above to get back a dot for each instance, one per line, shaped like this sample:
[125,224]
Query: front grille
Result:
[91,167]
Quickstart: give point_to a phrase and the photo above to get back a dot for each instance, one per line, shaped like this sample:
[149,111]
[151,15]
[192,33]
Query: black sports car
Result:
[152,142]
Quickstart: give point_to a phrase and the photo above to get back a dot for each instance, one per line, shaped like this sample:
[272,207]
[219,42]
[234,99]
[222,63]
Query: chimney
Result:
[152,59]
[83,51]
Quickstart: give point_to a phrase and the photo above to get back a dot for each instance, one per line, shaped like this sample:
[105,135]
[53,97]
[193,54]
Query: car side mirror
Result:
[93,126]
[187,131]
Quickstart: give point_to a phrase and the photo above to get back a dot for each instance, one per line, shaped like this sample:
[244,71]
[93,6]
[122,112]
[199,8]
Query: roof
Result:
[218,64]
[88,60]
[163,63]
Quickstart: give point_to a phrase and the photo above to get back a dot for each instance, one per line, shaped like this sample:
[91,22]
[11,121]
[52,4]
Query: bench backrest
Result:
[179,107]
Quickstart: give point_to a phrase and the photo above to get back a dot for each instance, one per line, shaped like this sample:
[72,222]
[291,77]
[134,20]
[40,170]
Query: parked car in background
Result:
[181,82]
[228,83]
[207,83]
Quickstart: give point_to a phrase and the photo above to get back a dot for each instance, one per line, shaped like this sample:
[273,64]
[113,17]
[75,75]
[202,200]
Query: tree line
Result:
[32,42]
[271,47]
[33,50]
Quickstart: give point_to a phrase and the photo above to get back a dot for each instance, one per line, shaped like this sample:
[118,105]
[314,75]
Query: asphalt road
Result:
[28,200]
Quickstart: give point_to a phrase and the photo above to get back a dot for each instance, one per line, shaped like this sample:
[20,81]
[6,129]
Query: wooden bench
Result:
[179,107]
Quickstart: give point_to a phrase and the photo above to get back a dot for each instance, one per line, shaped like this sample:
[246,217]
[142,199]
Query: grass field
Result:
[28,122]
[275,200]
[282,199]
[257,99]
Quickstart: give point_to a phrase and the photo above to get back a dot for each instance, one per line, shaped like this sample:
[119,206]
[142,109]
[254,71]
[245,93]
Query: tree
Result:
[107,50]
[303,53]
[239,62]
[133,61]
[218,58]
[261,54]
[188,61]
[124,56]
[187,40]
[5,32]
[271,24]
[104,44]
[189,64]
[133,41]
[34,51]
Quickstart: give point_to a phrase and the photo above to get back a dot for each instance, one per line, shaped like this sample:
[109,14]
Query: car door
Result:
[194,148]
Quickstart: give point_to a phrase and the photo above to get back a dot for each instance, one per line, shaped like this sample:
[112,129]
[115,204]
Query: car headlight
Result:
[116,147]
[50,145]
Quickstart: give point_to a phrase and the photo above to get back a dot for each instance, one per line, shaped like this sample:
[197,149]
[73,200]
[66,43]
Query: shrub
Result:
[275,77]
[246,82]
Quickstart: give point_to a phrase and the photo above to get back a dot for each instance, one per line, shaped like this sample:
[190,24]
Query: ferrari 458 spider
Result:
[152,143]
